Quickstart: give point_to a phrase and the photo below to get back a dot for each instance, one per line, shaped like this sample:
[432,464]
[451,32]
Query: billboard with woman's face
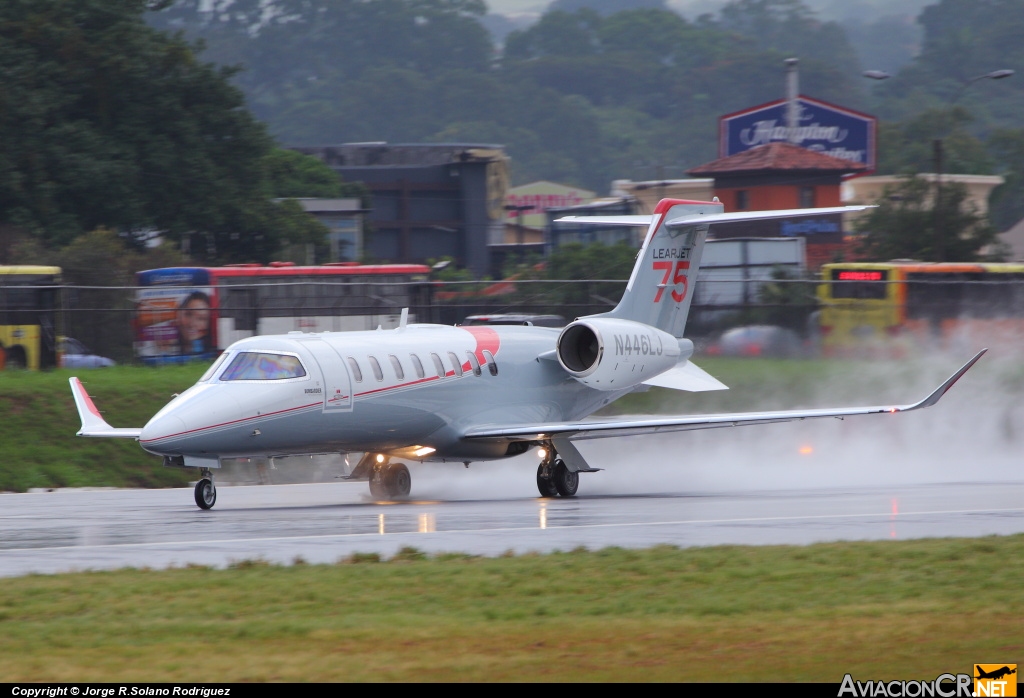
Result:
[174,315]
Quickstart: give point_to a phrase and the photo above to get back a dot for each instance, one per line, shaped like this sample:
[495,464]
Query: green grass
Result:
[38,420]
[894,610]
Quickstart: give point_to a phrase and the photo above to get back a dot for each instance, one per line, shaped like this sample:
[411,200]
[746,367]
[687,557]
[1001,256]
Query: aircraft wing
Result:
[93,423]
[605,429]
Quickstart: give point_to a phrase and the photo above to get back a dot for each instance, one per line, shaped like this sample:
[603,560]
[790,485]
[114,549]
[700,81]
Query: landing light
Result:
[424,451]
[806,450]
[542,453]
[380,457]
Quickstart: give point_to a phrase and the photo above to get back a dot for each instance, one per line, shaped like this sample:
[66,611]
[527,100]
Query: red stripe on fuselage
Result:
[235,421]
[485,337]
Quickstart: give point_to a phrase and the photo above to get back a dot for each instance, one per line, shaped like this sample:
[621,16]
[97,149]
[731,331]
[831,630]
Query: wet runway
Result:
[59,531]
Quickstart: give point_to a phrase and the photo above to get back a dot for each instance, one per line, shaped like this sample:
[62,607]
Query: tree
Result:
[107,122]
[907,224]
[790,27]
[1007,200]
[909,147]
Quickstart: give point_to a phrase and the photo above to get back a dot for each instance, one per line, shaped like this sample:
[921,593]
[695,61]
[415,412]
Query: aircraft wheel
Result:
[377,488]
[397,480]
[206,494]
[545,485]
[565,480]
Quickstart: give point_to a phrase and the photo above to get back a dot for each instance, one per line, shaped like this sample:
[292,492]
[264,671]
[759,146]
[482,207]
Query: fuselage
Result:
[417,389]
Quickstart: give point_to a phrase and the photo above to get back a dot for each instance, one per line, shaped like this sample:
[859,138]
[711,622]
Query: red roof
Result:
[776,157]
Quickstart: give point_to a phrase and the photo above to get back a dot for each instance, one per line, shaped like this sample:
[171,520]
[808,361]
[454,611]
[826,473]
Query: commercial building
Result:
[781,175]
[430,200]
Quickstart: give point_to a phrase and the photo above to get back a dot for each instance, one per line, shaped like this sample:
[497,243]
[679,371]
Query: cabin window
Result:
[263,366]
[356,373]
[492,365]
[455,363]
[417,365]
[397,365]
[438,365]
[474,363]
[375,365]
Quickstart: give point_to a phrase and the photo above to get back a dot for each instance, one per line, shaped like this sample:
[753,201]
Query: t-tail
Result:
[661,287]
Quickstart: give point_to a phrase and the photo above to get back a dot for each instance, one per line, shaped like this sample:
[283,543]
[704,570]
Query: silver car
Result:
[74,354]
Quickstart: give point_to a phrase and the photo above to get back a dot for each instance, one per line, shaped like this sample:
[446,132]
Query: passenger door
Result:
[337,386]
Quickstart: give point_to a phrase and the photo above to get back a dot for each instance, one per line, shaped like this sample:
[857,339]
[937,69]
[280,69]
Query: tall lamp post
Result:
[937,154]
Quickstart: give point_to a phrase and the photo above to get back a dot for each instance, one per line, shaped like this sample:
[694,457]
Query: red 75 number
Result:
[678,278]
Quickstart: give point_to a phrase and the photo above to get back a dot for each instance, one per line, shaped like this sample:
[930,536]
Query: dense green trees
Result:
[583,96]
[106,122]
[909,224]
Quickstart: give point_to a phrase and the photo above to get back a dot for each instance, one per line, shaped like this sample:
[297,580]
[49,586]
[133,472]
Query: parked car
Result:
[74,354]
[757,341]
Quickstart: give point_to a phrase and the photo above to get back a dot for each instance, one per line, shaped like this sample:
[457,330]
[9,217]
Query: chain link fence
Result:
[105,318]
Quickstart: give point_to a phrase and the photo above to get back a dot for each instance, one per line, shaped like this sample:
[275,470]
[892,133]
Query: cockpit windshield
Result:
[263,366]
[213,368]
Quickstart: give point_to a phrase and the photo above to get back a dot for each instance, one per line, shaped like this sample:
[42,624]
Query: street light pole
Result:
[937,150]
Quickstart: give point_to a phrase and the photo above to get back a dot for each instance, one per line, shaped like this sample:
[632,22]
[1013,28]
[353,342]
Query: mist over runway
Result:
[951,470]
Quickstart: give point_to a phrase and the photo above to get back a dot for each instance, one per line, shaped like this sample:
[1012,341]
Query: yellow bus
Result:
[30,316]
[887,308]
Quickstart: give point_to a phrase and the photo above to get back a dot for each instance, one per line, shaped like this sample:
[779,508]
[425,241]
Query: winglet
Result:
[941,390]
[93,423]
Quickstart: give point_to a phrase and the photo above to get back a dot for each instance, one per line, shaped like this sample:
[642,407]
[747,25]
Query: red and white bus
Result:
[186,313]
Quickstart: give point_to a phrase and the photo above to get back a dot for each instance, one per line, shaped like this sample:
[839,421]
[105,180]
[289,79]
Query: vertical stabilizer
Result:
[661,286]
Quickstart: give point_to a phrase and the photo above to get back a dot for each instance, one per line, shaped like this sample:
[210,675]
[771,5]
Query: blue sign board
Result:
[822,127]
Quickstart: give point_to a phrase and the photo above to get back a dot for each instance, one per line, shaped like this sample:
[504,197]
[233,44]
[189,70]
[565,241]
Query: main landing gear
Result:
[387,480]
[554,478]
[206,491]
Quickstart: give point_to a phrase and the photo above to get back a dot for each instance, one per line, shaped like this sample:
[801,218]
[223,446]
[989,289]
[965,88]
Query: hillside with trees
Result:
[144,115]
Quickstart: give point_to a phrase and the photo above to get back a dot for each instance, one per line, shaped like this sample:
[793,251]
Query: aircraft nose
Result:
[161,431]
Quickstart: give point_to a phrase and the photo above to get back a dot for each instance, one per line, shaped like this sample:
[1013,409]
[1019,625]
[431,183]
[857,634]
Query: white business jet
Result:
[425,392]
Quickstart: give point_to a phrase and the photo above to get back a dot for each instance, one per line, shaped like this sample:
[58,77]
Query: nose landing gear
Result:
[206,491]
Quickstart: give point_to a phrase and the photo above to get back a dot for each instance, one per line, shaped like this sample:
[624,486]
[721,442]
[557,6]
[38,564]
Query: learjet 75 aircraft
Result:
[425,392]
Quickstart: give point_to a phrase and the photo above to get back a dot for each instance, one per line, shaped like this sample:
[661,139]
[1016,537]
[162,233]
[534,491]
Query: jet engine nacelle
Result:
[612,354]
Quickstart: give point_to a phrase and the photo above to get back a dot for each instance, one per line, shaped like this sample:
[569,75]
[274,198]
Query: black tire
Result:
[397,481]
[377,488]
[566,481]
[545,485]
[206,494]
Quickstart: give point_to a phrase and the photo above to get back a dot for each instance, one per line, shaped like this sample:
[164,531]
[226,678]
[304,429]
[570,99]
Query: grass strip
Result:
[890,609]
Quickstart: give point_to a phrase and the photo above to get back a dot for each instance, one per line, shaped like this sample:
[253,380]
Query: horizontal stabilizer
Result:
[93,423]
[691,219]
[760,215]
[687,376]
[607,220]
